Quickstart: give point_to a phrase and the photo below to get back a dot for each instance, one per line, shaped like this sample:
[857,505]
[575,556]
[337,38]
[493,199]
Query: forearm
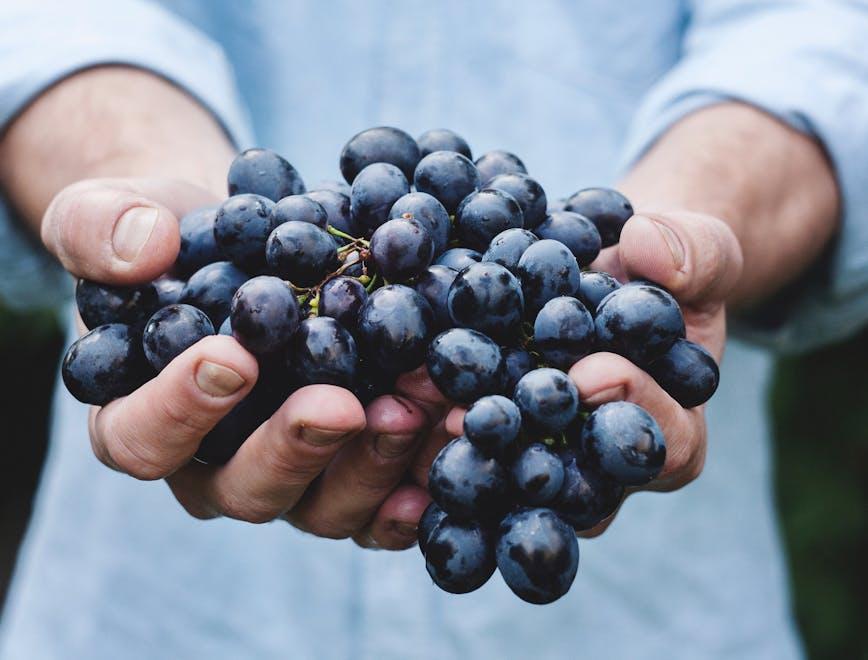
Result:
[771,184]
[109,122]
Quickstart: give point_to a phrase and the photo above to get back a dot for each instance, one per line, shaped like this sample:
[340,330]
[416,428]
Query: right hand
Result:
[321,461]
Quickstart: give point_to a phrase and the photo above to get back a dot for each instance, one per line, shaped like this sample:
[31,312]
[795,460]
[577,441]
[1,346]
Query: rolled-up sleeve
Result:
[43,42]
[806,63]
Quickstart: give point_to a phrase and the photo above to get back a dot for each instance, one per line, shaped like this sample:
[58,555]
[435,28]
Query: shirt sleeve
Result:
[43,42]
[806,63]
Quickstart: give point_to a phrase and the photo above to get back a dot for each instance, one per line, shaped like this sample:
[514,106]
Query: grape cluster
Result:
[423,257]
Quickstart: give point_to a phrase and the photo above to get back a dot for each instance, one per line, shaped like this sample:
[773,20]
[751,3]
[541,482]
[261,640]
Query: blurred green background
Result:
[820,404]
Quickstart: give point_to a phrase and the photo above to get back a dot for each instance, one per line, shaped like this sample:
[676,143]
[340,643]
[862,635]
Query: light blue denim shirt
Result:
[113,568]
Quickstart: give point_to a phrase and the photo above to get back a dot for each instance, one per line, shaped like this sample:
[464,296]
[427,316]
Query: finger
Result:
[363,473]
[396,521]
[605,377]
[436,439]
[455,421]
[119,231]
[419,387]
[275,465]
[156,429]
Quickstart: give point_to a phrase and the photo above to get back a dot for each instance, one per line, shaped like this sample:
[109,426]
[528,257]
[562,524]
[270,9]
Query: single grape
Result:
[517,362]
[263,172]
[594,287]
[198,245]
[341,298]
[241,228]
[431,517]
[264,314]
[548,400]
[401,249]
[586,497]
[488,298]
[434,285]
[537,475]
[458,258]
[557,205]
[382,144]
[100,304]
[460,556]
[168,290]
[211,289]
[507,247]
[301,253]
[563,332]
[607,209]
[465,365]
[394,329]
[492,424]
[485,214]
[352,264]
[299,208]
[448,176]
[547,269]
[527,192]
[687,372]
[573,230]
[105,364]
[640,322]
[334,185]
[171,331]
[442,139]
[428,211]
[466,484]
[375,191]
[337,208]
[537,555]
[625,442]
[226,327]
[323,351]
[496,162]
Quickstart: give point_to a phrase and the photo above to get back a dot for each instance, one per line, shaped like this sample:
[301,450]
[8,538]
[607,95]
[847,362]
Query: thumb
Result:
[695,256]
[119,231]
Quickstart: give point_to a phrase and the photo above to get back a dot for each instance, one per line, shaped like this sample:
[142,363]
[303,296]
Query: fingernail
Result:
[676,249]
[132,231]
[217,380]
[322,437]
[616,393]
[393,445]
[406,529]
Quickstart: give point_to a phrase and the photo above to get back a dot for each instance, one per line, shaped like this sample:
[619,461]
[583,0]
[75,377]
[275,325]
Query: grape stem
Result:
[352,239]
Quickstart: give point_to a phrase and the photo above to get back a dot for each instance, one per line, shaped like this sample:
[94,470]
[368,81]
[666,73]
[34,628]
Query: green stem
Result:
[337,232]
[371,284]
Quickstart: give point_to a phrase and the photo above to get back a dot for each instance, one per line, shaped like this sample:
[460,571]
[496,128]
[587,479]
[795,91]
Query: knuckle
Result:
[234,506]
[329,529]
[134,464]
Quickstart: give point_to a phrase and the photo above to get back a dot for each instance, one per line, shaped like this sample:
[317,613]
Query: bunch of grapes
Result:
[423,257]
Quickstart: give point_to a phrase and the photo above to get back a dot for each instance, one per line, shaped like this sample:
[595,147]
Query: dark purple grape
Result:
[687,372]
[428,211]
[263,172]
[488,298]
[548,400]
[563,332]
[301,253]
[448,176]
[211,289]
[394,329]
[334,185]
[171,331]
[198,245]
[460,556]
[431,517]
[573,230]
[264,314]
[466,484]
[105,364]
[517,362]
[341,298]
[594,287]
[100,304]
[640,322]
[382,144]
[537,555]
[458,258]
[299,208]
[375,191]
[625,442]
[465,365]
[169,290]
[434,285]
[401,249]
[537,475]
[496,162]
[492,424]
[483,215]
[323,351]
[607,209]
[586,497]
[547,269]
[337,208]
[527,192]
[241,228]
[352,264]
[507,247]
[442,139]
